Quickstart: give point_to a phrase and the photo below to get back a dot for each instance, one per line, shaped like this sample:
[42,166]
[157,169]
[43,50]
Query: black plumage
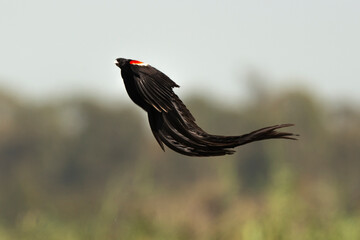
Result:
[172,123]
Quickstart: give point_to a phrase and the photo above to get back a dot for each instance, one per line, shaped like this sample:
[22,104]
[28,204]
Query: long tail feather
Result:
[184,136]
[267,133]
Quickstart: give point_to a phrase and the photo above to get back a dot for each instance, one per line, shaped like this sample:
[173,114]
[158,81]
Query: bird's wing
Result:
[155,87]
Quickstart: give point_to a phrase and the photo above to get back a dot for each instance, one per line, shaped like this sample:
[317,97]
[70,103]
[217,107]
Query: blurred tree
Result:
[93,171]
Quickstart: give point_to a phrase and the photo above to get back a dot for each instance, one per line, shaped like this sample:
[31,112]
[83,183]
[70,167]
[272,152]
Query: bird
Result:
[171,122]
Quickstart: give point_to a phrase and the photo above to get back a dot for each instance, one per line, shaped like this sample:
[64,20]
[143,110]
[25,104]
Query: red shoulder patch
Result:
[136,62]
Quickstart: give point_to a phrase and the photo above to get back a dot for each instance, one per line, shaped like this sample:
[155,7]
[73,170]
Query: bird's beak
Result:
[117,63]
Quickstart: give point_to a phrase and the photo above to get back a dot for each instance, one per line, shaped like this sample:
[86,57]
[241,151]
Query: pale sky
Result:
[54,48]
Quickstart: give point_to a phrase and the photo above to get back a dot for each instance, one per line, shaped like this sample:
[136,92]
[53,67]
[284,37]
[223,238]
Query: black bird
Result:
[172,123]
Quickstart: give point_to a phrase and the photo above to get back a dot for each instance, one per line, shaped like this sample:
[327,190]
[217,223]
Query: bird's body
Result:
[172,123]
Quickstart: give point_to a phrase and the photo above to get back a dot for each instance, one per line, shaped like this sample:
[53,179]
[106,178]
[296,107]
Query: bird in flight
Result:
[172,123]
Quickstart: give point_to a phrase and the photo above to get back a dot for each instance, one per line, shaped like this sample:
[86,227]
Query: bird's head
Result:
[121,62]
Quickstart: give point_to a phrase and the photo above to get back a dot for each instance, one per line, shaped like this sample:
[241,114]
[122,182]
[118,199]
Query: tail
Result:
[267,133]
[180,139]
[187,138]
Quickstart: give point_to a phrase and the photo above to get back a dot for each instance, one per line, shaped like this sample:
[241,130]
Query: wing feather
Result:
[155,87]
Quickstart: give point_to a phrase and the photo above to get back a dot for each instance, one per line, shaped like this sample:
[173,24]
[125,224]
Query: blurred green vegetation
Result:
[79,169]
